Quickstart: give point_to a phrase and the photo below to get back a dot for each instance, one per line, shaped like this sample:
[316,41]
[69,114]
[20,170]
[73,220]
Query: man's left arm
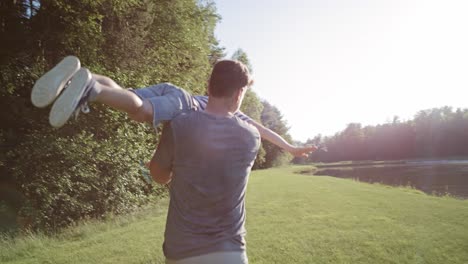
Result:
[161,164]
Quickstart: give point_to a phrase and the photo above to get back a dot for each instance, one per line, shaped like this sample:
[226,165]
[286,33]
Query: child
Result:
[154,104]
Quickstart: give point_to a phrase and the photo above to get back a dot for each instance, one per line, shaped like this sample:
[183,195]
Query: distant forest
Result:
[433,133]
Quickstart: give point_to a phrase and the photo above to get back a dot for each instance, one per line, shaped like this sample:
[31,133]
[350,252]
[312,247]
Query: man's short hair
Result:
[227,77]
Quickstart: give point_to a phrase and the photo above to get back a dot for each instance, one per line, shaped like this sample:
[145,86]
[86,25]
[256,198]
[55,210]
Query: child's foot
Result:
[74,99]
[49,86]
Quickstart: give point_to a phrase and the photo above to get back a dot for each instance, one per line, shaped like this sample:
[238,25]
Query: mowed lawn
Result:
[291,218]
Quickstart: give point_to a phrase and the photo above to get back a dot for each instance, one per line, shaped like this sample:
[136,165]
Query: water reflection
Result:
[433,177]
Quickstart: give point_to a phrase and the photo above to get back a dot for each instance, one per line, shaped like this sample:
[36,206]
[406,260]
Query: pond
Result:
[437,177]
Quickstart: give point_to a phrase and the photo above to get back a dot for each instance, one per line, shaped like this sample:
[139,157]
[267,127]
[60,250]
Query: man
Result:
[216,154]
[207,157]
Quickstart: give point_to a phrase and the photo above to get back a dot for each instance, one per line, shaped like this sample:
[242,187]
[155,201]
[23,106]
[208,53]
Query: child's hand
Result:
[302,151]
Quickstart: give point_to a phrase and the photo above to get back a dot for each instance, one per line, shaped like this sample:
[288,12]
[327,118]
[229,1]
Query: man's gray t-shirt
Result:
[210,158]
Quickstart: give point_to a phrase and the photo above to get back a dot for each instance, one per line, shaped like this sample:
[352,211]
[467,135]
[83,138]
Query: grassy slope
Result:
[300,219]
[291,219]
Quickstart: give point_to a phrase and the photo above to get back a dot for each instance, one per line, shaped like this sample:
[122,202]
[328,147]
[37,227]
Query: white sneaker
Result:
[49,86]
[73,100]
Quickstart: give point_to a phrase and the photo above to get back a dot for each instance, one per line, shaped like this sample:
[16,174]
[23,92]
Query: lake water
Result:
[437,177]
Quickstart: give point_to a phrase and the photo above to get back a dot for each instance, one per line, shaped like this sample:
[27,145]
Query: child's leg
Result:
[156,103]
[105,80]
[113,95]
[84,88]
[153,104]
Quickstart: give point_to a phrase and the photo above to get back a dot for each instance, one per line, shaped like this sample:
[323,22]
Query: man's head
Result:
[228,78]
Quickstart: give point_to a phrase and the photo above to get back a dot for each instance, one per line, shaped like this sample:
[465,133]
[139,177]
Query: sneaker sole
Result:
[49,86]
[67,102]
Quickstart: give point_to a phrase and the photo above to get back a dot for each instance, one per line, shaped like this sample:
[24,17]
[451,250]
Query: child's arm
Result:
[281,142]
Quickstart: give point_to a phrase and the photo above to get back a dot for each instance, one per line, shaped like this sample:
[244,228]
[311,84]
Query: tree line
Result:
[90,167]
[432,133]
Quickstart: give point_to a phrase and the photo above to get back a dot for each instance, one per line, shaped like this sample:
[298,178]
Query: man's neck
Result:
[220,107]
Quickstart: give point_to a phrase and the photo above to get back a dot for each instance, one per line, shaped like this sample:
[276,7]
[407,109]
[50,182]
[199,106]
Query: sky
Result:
[327,63]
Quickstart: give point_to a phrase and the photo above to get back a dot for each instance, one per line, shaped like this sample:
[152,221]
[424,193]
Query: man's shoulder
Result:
[201,117]
[247,134]
[245,125]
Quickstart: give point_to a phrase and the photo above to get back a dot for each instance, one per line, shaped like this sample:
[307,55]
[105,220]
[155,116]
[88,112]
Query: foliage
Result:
[269,116]
[241,56]
[437,132]
[90,166]
[80,176]
[273,119]
[251,105]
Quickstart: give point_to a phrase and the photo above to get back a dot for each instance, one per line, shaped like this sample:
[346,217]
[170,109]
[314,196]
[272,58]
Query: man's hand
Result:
[302,151]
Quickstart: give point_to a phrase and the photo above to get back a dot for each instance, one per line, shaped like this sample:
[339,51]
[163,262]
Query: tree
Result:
[273,119]
[437,132]
[90,167]
[251,106]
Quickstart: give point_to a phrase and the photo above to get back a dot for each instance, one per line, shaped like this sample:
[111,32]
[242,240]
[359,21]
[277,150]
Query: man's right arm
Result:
[160,174]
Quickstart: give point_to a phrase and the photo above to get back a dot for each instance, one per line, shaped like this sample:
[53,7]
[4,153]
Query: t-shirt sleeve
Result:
[165,152]
[243,116]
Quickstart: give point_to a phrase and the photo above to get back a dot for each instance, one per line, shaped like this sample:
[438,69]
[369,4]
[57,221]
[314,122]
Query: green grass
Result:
[291,218]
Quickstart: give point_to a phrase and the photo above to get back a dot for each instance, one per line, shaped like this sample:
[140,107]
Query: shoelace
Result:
[84,108]
[82,105]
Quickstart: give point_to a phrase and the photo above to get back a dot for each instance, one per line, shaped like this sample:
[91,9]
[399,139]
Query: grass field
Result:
[291,218]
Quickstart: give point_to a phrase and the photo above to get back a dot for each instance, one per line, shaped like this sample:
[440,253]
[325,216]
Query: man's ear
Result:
[240,93]
[208,89]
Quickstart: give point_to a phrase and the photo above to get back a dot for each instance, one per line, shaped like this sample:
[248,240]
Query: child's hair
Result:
[227,77]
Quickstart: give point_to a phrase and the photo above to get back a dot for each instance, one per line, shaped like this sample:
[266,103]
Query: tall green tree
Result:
[251,106]
[432,133]
[273,119]
[241,56]
[90,166]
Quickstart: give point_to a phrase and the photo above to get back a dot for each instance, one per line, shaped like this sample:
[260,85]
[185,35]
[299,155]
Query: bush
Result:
[65,178]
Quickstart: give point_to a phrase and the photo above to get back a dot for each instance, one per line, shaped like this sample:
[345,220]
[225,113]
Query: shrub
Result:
[88,173]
